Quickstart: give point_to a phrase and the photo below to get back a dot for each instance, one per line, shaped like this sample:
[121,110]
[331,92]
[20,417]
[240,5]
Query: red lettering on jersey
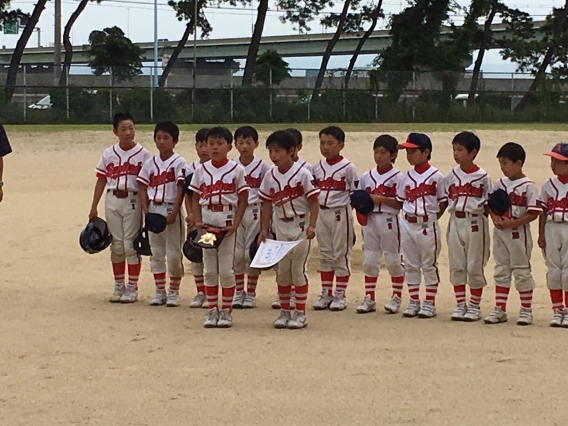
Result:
[421,191]
[554,204]
[114,172]
[163,178]
[218,188]
[330,184]
[518,200]
[288,193]
[382,189]
[467,190]
[253,182]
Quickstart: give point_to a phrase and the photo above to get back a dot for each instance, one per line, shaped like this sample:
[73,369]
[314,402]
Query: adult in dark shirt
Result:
[5,149]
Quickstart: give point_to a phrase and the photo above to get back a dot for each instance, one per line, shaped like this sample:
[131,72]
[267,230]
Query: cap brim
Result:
[408,145]
[361,218]
[557,156]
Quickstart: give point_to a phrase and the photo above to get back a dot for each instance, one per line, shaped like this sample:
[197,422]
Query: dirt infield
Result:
[70,357]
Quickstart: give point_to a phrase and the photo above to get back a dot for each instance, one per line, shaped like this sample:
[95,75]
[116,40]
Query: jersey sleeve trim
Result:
[264,196]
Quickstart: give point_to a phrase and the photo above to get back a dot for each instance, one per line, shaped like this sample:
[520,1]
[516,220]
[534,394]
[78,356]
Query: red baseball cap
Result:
[560,151]
[417,141]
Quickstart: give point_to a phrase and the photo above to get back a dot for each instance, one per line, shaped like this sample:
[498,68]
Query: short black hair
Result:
[167,127]
[512,151]
[468,140]
[121,116]
[246,132]
[201,135]
[220,133]
[296,134]
[387,142]
[333,131]
[282,139]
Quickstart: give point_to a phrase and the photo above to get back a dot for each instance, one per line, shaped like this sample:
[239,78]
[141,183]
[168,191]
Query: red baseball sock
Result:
[228,296]
[414,291]
[341,284]
[370,286]
[119,271]
[566,298]
[284,296]
[397,285]
[526,298]
[212,293]
[301,298]
[475,296]
[175,283]
[327,282]
[134,275]
[556,299]
[501,296]
[239,282]
[160,280]
[431,292]
[252,281]
[459,291]
[199,283]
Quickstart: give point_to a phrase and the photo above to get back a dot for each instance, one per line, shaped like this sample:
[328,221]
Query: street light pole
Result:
[57,44]
[155,43]
[194,58]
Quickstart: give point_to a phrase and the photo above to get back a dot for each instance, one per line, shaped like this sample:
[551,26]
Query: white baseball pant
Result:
[512,254]
[334,231]
[167,246]
[124,218]
[468,249]
[421,245]
[382,234]
[292,268]
[556,255]
[197,269]
[247,232]
[218,263]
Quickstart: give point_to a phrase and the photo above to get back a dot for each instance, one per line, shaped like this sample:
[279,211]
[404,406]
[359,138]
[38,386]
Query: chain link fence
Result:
[216,96]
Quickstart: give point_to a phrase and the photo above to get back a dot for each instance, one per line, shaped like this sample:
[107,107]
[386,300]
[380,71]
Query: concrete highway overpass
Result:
[236,48]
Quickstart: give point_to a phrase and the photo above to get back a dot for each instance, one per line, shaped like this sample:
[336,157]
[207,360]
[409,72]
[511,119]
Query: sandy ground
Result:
[70,357]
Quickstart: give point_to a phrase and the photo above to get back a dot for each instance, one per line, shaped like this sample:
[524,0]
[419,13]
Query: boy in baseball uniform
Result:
[553,233]
[512,240]
[421,193]
[467,187]
[200,300]
[381,231]
[337,178]
[288,190]
[161,192]
[246,141]
[220,200]
[116,173]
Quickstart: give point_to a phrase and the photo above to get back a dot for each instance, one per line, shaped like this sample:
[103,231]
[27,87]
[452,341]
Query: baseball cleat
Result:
[211,318]
[159,299]
[525,317]
[473,313]
[557,318]
[496,316]
[283,320]
[172,300]
[276,303]
[239,299]
[198,300]
[118,292]
[298,320]
[129,296]
[393,305]
[338,302]
[368,305]
[564,321]
[459,312]
[323,302]
[225,319]
[428,310]
[250,301]
[412,309]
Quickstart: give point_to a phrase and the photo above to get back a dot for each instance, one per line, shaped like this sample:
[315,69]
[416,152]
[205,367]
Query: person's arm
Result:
[189,210]
[386,201]
[143,195]
[241,208]
[196,208]
[528,217]
[177,205]
[314,212]
[443,206]
[265,219]
[97,195]
[1,174]
[541,224]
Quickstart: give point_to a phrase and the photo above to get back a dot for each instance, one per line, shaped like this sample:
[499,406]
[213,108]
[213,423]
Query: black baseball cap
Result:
[417,141]
[560,151]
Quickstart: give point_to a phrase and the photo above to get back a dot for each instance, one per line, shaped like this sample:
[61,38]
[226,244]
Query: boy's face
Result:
[461,156]
[164,142]
[246,146]
[279,156]
[330,147]
[201,149]
[218,148]
[383,157]
[559,167]
[125,132]
[415,157]
[510,168]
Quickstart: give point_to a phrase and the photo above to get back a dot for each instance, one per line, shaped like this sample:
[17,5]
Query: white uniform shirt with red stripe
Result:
[385,183]
[254,173]
[289,192]
[120,168]
[336,182]
[554,198]
[305,164]
[219,185]
[467,191]
[162,177]
[523,195]
[421,193]
[192,167]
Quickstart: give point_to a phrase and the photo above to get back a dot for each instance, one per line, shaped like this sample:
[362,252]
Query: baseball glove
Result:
[192,252]
[209,237]
[499,202]
[142,243]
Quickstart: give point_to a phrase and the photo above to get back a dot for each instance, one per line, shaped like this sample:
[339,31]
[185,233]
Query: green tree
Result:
[254,45]
[271,68]
[111,51]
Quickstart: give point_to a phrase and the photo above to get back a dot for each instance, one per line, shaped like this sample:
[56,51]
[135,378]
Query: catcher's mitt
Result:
[209,237]
[499,202]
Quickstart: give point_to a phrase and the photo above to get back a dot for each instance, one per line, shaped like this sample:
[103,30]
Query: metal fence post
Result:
[376,106]
[25,95]
[270,88]
[343,101]
[309,107]
[512,92]
[413,96]
[232,100]
[67,91]
[110,95]
[152,95]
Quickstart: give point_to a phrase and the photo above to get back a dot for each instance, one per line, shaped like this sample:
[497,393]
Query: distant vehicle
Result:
[44,103]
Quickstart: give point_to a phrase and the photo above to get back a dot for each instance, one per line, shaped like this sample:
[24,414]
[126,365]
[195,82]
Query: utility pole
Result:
[156,78]
[194,59]
[57,44]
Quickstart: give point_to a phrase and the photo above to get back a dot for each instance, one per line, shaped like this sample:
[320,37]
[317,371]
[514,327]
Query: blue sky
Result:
[136,18]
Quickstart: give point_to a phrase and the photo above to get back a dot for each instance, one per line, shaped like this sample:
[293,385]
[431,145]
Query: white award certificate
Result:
[270,252]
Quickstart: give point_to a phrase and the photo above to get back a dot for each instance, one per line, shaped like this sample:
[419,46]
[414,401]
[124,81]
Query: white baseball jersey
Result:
[523,195]
[120,168]
[554,198]
[305,164]
[162,177]
[421,193]
[219,185]
[192,167]
[336,182]
[289,192]
[254,173]
[467,191]
[385,184]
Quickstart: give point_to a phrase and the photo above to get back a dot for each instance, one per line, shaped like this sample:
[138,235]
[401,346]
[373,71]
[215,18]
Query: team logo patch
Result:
[516,235]
[474,228]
